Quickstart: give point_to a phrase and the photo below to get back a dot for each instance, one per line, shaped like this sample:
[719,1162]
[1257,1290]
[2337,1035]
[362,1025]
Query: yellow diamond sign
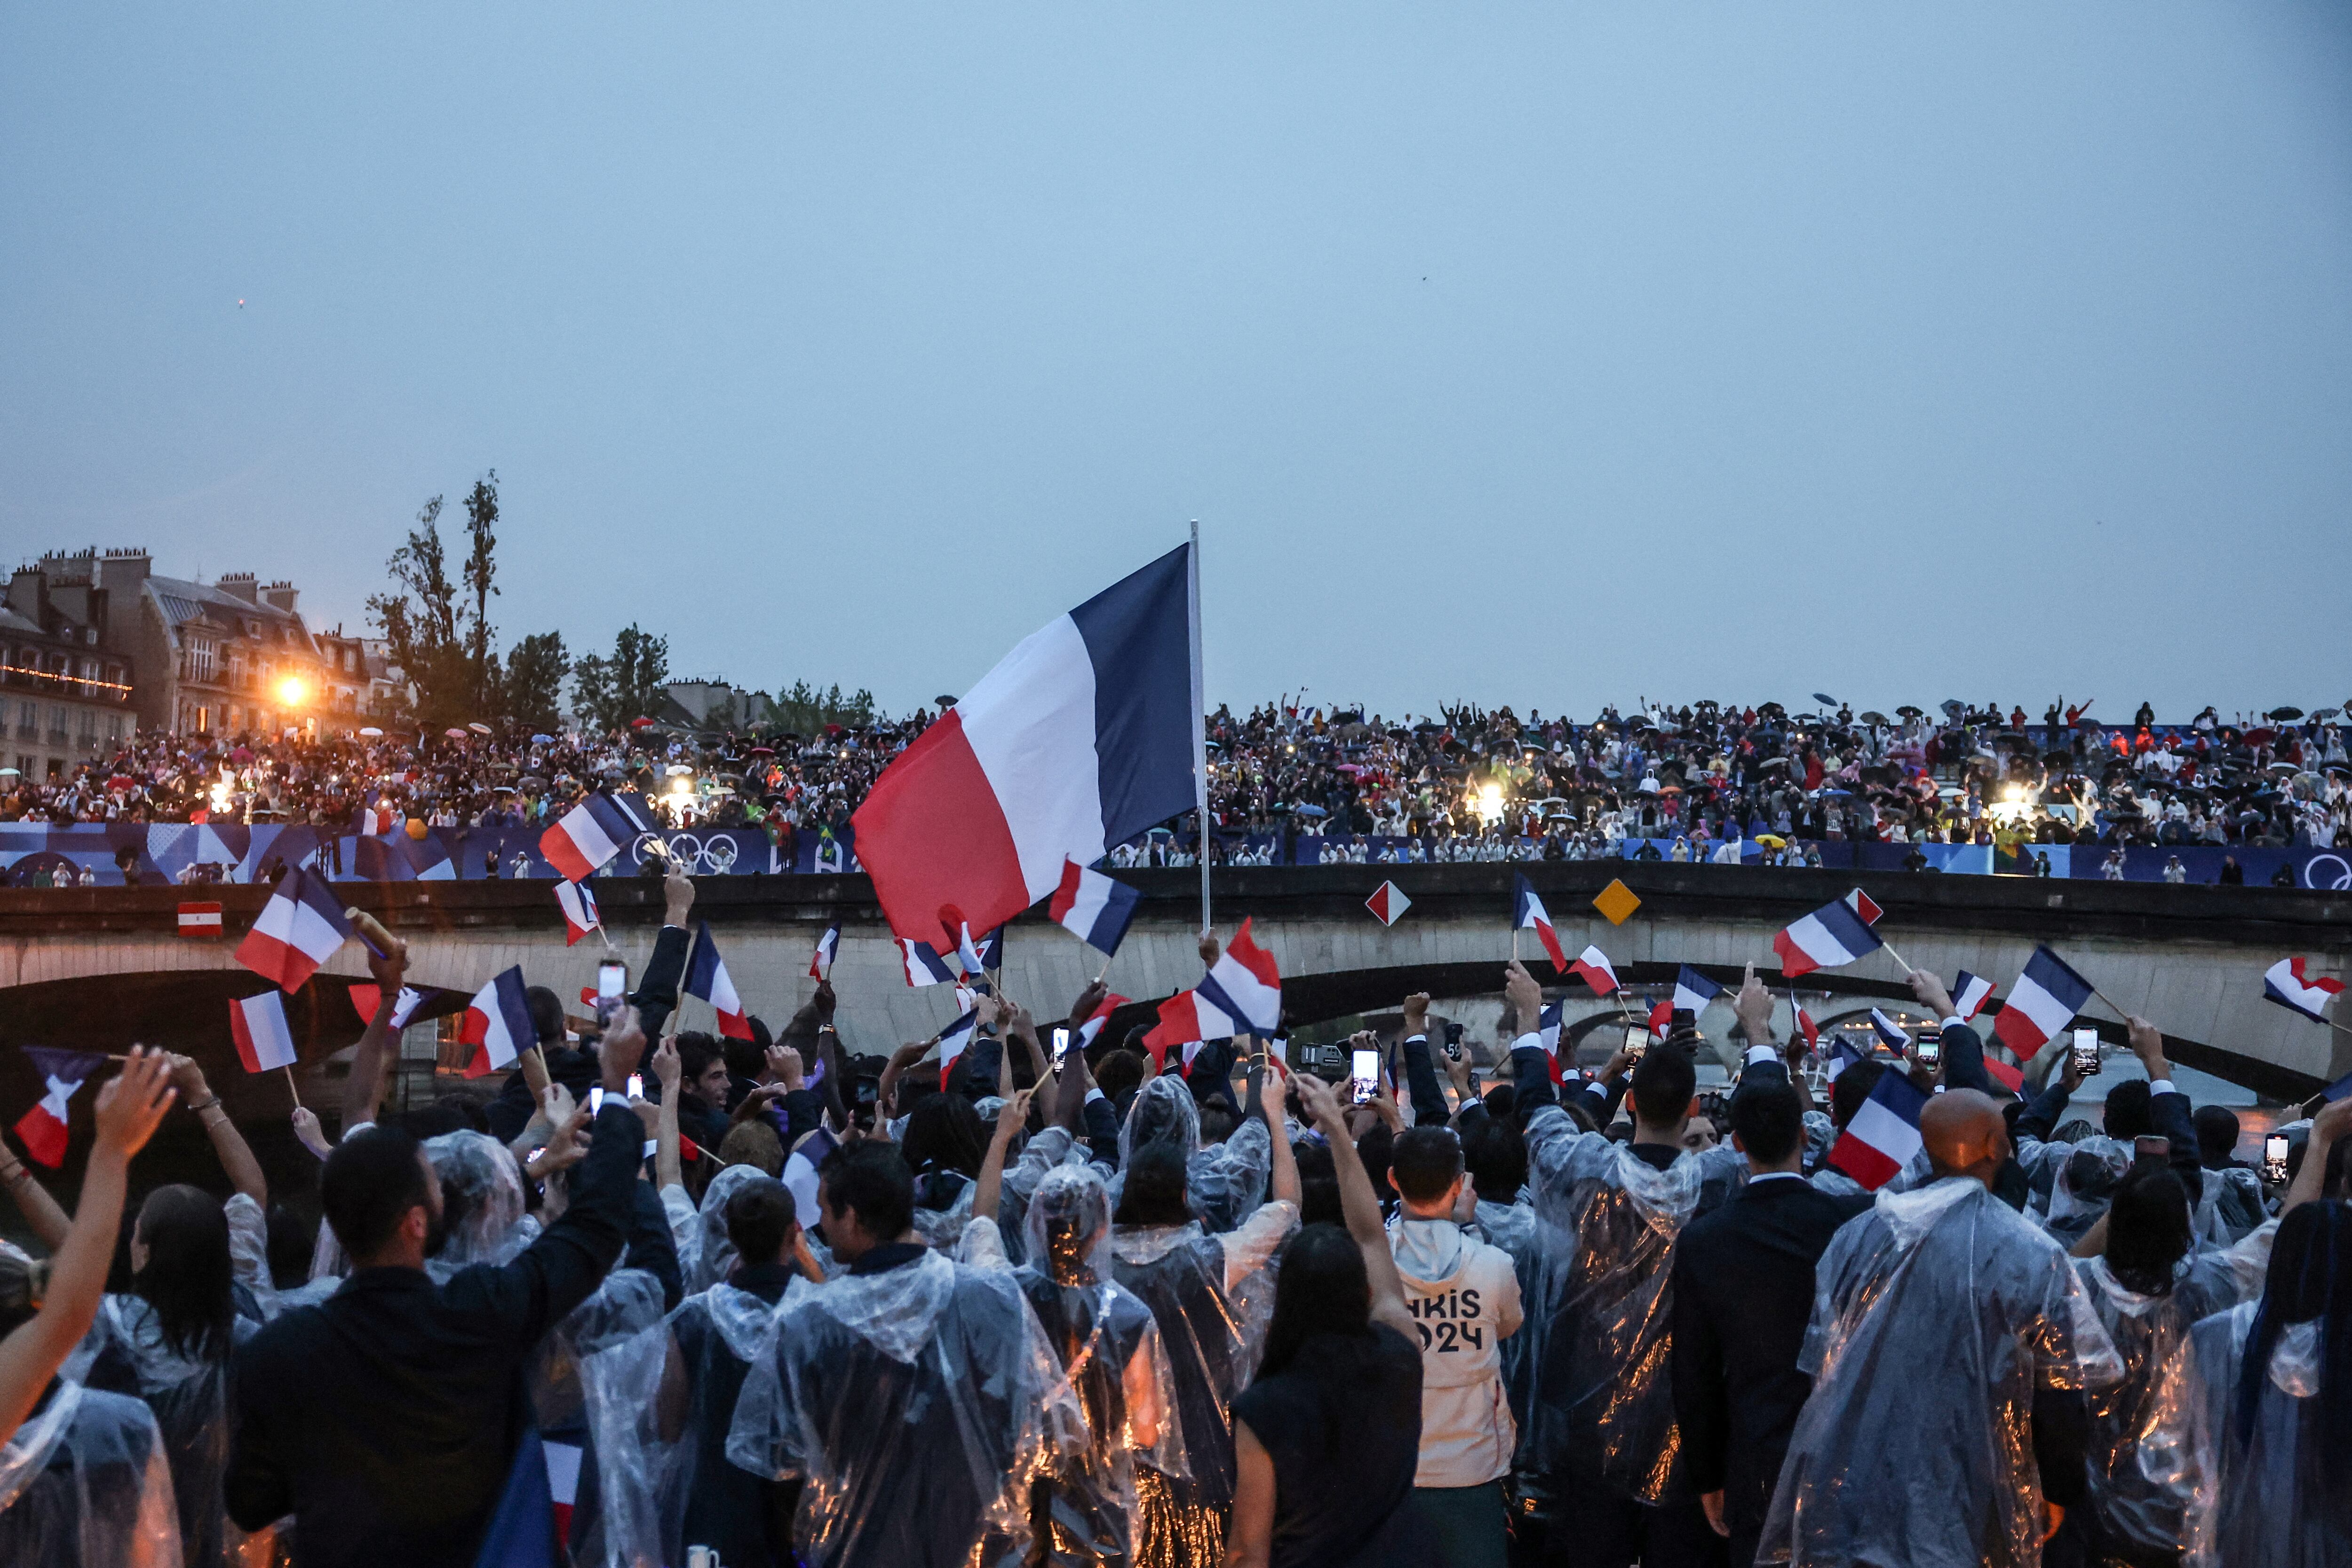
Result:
[1616,902]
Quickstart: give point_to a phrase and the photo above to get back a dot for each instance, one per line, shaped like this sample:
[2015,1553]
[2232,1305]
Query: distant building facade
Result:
[67,687]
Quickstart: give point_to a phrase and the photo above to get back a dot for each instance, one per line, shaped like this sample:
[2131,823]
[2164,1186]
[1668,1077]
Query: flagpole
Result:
[292,1092]
[1199,718]
[678,1009]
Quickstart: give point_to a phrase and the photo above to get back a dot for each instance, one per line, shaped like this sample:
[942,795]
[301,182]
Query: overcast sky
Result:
[1541,354]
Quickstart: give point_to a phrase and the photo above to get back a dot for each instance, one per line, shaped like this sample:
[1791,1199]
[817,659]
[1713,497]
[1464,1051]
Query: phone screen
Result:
[2086,1051]
[595,1099]
[1929,1053]
[1363,1077]
[1637,1040]
[2151,1146]
[612,985]
[636,1086]
[1061,1045]
[2274,1149]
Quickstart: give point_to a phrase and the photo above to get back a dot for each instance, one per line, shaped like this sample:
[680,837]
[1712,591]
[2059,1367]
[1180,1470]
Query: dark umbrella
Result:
[1874,717]
[2284,713]
[1825,699]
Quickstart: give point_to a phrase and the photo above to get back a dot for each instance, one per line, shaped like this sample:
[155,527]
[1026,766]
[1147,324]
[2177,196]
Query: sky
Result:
[1548,355]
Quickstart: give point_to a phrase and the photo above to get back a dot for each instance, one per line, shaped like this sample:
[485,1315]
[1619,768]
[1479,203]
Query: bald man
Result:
[1948,1327]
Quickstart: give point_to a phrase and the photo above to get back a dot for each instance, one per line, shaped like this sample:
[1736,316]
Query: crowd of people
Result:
[661,1298]
[1698,779]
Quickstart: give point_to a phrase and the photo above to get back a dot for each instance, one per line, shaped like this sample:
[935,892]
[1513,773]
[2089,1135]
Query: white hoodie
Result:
[1464,1297]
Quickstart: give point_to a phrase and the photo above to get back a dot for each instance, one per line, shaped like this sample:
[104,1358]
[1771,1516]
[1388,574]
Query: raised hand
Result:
[1416,1014]
[1011,1117]
[1089,1000]
[825,1000]
[132,1103]
[1932,996]
[677,896]
[312,1136]
[1522,994]
[187,1077]
[2147,1044]
[623,1048]
[667,1068]
[1754,1008]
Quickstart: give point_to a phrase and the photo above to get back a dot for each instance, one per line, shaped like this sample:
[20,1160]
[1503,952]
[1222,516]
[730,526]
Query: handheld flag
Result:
[1662,1017]
[1970,994]
[200,920]
[1693,990]
[952,1040]
[1081,738]
[1807,1026]
[2044,1000]
[366,997]
[1244,984]
[1884,1135]
[499,1020]
[42,1129]
[1843,1053]
[262,1040]
[1829,937]
[592,832]
[828,948]
[1387,903]
[1093,907]
[1890,1033]
[563,1483]
[580,916]
[376,819]
[299,929]
[992,950]
[1527,910]
[2286,984]
[1592,964]
[1547,1029]
[923,964]
[801,1175]
[968,957]
[706,977]
[1096,1020]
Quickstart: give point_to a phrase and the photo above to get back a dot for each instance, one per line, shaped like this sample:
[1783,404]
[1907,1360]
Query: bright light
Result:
[2016,795]
[291,691]
[220,796]
[680,787]
[1489,802]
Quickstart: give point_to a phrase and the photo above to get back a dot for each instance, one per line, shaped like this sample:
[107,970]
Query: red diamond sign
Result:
[1388,904]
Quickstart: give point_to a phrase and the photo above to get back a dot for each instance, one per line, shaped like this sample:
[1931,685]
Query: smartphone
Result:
[1363,1077]
[1637,1040]
[595,1099]
[1061,1046]
[1454,1042]
[1929,1051]
[637,1086]
[612,987]
[2151,1146]
[2274,1149]
[2086,1051]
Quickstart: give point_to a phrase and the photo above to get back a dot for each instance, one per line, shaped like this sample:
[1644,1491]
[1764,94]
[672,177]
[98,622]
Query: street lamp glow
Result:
[291,691]
[1490,801]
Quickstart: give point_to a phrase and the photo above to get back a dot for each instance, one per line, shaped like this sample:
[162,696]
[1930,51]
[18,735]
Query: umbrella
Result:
[1874,717]
[1825,699]
[2324,715]
[1953,707]
[2259,736]
[453,733]
[2284,713]
[1772,840]
[542,739]
[9,773]
[641,722]
[1310,811]
[478,728]
[944,701]
[370,731]
[675,768]
[1908,711]
[1769,763]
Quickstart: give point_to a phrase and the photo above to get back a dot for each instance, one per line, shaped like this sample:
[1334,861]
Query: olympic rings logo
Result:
[2337,883]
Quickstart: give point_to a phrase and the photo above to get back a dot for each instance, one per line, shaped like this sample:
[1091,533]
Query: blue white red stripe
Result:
[1843,1053]
[592,832]
[263,1040]
[952,1041]
[1593,966]
[801,1179]
[1244,984]
[707,976]
[1884,1135]
[1829,937]
[499,1020]
[1970,994]
[43,1130]
[1528,912]
[828,948]
[1890,1033]
[923,965]
[1095,1020]
[300,928]
[365,997]
[2289,986]
[2044,1002]
[1094,908]
[579,905]
[1693,990]
[1080,738]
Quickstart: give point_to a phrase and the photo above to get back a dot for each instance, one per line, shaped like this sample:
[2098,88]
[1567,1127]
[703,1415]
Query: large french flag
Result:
[1884,1135]
[1093,907]
[592,832]
[299,929]
[1593,966]
[2287,983]
[263,1040]
[578,905]
[2044,1000]
[1527,910]
[1083,736]
[499,1020]
[1829,937]
[706,977]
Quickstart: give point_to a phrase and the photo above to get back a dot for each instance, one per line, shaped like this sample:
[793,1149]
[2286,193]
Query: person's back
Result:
[85,1481]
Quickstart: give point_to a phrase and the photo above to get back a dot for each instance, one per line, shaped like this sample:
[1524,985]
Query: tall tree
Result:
[536,667]
[420,620]
[610,692]
[481,573]
[804,710]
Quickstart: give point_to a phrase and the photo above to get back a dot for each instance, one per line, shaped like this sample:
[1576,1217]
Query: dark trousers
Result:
[1593,1528]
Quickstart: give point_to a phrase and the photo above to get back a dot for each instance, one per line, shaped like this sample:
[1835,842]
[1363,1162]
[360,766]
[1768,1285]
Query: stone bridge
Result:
[100,966]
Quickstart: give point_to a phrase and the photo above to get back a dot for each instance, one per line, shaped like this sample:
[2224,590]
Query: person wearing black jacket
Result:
[1743,1296]
[385,1418]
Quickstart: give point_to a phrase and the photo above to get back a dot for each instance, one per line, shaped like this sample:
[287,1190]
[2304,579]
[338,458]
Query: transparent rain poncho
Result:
[2253,1502]
[1935,1317]
[1089,1511]
[481,1201]
[85,1481]
[1213,1297]
[705,1254]
[1514,1228]
[1602,1404]
[1225,1183]
[917,1405]
[2229,1205]
[2140,1425]
[2084,1184]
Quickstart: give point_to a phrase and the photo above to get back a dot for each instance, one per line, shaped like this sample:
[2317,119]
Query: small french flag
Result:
[592,832]
[1970,994]
[1387,903]
[43,1129]
[563,1483]
[923,964]
[1547,1029]
[1890,1033]
[499,1020]
[1843,1053]
[1662,1017]
[263,1040]
[952,1040]
[375,820]
[706,977]
[2286,982]
[801,1179]
[1527,910]
[1186,1018]
[1096,1020]
[1884,1135]
[300,928]
[1094,908]
[580,916]
[1829,937]
[1596,970]
[1693,990]
[365,997]
[1807,1026]
[828,948]
[2044,1000]
[1244,984]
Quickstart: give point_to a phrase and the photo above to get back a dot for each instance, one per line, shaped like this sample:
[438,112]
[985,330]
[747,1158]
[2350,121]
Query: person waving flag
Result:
[42,1130]
[2044,1002]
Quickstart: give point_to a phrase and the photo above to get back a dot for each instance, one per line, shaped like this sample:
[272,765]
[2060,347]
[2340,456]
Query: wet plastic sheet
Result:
[1936,1318]
[481,1198]
[2251,1500]
[931,1372]
[2140,1425]
[1224,1184]
[705,1254]
[1602,1406]
[189,1400]
[2084,1184]
[85,1481]
[1513,1227]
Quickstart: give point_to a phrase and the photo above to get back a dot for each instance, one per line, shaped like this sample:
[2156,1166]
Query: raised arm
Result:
[228,1145]
[1357,1203]
[364,1089]
[1284,1185]
[668,1171]
[130,1107]
[33,1202]
[987,1193]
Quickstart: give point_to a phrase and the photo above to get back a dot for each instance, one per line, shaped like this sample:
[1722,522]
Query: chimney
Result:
[27,592]
[279,596]
[122,571]
[239,585]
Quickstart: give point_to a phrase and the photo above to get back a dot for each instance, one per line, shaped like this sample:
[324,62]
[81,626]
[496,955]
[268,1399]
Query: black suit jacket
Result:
[384,1419]
[1743,1294]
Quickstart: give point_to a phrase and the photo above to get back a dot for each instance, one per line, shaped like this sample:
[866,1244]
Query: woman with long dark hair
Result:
[1328,1436]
